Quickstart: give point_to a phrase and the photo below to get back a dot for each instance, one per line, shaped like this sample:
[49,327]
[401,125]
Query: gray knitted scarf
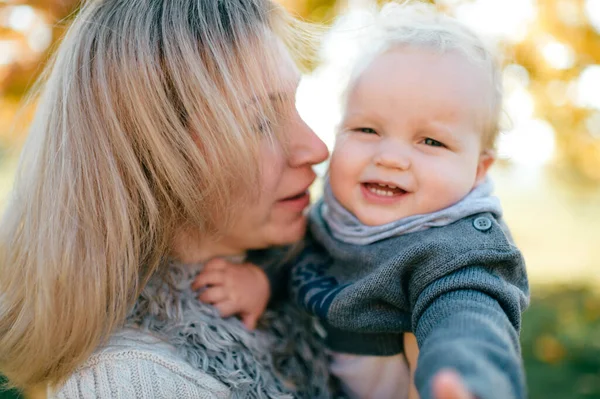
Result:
[280,359]
[347,228]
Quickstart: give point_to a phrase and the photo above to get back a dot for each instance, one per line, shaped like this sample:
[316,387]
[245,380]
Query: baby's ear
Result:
[486,159]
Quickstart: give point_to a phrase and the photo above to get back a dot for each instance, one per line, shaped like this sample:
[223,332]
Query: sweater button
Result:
[482,223]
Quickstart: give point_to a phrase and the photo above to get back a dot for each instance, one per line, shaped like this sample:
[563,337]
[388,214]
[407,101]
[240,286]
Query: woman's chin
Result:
[289,233]
[276,233]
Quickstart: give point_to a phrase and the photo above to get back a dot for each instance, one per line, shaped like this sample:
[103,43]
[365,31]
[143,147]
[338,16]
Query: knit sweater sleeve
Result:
[472,328]
[130,372]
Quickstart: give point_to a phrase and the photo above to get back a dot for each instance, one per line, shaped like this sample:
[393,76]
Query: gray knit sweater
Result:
[460,289]
[177,347]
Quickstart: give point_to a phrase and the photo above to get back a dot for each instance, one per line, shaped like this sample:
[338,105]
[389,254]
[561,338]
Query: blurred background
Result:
[548,176]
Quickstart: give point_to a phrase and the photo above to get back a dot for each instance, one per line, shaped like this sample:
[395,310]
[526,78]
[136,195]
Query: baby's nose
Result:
[393,156]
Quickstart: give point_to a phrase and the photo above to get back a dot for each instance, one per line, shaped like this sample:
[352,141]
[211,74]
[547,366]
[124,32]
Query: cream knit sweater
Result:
[174,346]
[135,364]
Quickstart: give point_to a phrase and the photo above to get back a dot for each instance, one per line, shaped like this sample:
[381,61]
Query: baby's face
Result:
[410,140]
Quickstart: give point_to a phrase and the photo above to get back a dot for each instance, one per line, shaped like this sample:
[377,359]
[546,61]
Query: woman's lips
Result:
[378,194]
[297,202]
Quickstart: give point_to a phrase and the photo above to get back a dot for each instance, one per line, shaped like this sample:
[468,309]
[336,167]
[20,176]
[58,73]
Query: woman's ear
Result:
[486,159]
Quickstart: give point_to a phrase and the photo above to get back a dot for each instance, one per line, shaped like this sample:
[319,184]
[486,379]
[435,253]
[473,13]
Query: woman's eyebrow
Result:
[275,98]
[279,96]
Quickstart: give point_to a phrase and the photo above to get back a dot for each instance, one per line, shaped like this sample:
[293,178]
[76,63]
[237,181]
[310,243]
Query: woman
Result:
[166,135]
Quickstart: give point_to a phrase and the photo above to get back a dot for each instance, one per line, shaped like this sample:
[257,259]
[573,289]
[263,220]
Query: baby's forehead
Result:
[423,90]
[427,61]
[416,74]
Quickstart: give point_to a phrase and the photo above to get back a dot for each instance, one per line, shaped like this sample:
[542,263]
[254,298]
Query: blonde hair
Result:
[420,25]
[143,126]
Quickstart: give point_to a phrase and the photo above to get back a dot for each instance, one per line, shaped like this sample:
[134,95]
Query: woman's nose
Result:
[306,148]
[393,156]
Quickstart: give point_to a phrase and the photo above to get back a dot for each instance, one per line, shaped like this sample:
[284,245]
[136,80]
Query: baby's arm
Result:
[468,321]
[234,289]
[445,385]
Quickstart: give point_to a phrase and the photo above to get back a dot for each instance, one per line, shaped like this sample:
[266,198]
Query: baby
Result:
[407,237]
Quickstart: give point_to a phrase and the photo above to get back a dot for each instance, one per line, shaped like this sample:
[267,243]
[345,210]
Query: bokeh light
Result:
[506,19]
[592,10]
[21,18]
[558,55]
[588,87]
[530,143]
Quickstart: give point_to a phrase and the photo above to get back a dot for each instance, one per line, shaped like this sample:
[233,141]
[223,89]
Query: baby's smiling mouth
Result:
[384,190]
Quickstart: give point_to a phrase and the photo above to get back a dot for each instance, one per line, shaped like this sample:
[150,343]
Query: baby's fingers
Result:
[213,295]
[227,308]
[209,278]
[447,384]
[216,264]
[250,320]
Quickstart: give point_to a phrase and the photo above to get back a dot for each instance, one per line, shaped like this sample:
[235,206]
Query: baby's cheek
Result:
[449,186]
[337,175]
[341,179]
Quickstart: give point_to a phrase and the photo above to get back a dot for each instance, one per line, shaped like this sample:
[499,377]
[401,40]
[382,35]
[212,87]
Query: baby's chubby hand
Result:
[234,289]
[447,384]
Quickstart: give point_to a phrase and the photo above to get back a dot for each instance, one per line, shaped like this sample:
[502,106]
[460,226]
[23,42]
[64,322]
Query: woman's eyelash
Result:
[433,143]
[264,125]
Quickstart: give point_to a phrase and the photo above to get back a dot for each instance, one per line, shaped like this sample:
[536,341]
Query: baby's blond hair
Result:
[420,25]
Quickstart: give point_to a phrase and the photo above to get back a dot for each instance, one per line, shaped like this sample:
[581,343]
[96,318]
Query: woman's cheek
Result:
[272,168]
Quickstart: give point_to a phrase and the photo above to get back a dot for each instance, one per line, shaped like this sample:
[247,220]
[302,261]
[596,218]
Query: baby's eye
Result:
[366,130]
[433,143]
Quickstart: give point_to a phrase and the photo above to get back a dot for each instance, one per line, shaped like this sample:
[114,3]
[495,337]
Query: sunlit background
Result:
[548,176]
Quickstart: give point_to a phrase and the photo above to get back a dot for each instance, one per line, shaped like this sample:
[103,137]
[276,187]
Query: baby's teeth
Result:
[386,186]
[384,193]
